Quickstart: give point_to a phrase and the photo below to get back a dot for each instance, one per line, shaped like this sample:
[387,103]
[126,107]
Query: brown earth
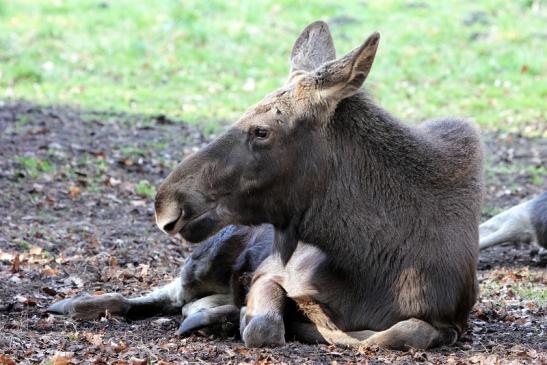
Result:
[77,215]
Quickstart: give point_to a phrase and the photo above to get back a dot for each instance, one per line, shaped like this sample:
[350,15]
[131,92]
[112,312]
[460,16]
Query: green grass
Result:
[35,166]
[539,173]
[145,189]
[538,295]
[207,61]
[23,245]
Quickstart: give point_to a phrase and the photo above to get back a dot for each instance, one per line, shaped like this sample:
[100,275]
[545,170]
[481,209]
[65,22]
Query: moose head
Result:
[268,166]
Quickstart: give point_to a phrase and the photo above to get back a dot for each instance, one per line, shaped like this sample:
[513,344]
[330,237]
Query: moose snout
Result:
[174,216]
[169,209]
[169,218]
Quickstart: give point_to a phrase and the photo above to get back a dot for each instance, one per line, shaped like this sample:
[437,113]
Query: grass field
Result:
[206,61]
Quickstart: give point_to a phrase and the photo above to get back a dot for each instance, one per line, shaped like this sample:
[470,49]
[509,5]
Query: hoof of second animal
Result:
[192,323]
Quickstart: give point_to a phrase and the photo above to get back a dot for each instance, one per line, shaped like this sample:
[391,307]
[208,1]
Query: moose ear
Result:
[313,48]
[342,78]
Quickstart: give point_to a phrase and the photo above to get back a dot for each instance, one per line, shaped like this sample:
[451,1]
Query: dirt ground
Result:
[77,215]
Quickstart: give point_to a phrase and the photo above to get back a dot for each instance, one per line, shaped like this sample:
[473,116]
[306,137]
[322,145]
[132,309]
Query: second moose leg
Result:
[215,312]
[164,300]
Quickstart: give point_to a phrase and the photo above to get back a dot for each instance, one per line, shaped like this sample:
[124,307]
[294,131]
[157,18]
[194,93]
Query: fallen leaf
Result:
[118,346]
[74,192]
[48,271]
[61,358]
[243,351]
[137,361]
[16,264]
[25,300]
[127,162]
[144,270]
[162,321]
[5,360]
[93,339]
[138,203]
[35,250]
[112,181]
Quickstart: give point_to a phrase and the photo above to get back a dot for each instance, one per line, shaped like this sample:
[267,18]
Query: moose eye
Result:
[260,133]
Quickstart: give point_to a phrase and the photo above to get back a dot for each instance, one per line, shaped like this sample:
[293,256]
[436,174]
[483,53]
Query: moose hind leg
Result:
[314,334]
[87,307]
[412,333]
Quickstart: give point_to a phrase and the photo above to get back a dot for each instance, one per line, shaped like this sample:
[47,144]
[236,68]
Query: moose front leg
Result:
[261,322]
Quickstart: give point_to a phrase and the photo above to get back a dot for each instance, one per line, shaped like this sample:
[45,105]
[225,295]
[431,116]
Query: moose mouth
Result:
[201,227]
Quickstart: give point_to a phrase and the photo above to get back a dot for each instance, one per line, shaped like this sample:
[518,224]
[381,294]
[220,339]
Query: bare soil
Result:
[77,216]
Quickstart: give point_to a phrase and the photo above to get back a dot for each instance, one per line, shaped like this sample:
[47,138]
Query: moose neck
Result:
[372,163]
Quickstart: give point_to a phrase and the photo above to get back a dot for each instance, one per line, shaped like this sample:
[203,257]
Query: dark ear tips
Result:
[315,25]
[373,39]
[318,24]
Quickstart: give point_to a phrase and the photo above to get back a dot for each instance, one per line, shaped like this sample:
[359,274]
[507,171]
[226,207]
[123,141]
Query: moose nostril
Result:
[186,212]
[170,226]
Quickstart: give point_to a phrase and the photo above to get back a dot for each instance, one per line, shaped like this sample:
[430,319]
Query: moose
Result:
[393,209]
[356,229]
[214,280]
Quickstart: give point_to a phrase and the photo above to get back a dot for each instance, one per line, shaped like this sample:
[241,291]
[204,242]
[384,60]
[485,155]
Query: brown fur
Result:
[395,209]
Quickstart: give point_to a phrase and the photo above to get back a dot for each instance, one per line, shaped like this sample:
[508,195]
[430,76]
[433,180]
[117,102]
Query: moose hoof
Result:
[264,331]
[192,323]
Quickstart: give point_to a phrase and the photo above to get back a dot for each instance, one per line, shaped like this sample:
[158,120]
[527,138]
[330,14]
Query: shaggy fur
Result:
[395,209]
